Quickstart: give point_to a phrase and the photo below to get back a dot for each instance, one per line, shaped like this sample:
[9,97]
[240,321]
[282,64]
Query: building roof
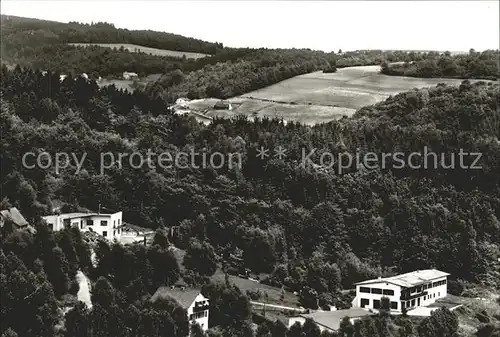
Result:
[409,279]
[185,297]
[13,214]
[74,215]
[332,319]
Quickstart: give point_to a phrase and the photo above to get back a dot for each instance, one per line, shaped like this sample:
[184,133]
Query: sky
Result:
[320,25]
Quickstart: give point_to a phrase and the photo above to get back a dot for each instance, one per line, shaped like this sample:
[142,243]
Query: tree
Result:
[346,329]
[309,298]
[442,322]
[200,257]
[310,328]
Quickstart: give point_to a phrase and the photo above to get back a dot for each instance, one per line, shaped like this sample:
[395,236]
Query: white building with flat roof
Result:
[406,291]
[108,226]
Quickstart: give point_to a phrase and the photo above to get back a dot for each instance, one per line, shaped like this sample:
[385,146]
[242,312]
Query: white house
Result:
[183,102]
[108,226]
[128,76]
[416,289]
[330,320]
[191,300]
[85,76]
[62,77]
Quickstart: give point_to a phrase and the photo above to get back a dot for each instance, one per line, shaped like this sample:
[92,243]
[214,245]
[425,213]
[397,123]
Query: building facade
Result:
[108,226]
[406,291]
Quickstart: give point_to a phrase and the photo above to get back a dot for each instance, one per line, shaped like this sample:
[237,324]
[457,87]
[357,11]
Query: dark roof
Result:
[332,319]
[184,297]
[15,216]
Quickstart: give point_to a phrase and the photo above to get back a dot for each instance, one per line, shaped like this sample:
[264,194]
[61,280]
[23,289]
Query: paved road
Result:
[83,294]
[277,306]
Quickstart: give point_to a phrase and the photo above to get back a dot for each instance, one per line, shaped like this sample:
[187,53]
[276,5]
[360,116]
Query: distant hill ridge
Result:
[101,32]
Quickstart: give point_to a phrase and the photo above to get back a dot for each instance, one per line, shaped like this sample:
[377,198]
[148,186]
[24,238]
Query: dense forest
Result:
[482,65]
[16,30]
[310,229]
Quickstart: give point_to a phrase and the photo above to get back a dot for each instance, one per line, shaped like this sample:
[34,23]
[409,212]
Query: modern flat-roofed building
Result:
[108,226]
[406,291]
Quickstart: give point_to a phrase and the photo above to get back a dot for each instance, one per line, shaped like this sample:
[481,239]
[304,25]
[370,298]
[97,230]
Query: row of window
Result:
[410,304]
[197,315]
[90,222]
[365,302]
[367,290]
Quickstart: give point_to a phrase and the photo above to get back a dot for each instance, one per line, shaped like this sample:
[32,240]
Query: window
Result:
[402,305]
[114,233]
[388,292]
[376,304]
[365,302]
[364,290]
[119,221]
[376,291]
[81,224]
[412,303]
[439,294]
[114,222]
[104,233]
[104,223]
[90,222]
[394,305]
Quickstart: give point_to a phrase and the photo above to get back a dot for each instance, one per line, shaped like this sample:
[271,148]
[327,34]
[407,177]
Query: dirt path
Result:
[83,294]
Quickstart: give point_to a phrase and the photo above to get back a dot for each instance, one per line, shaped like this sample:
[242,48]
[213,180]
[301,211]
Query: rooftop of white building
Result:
[409,279]
[74,215]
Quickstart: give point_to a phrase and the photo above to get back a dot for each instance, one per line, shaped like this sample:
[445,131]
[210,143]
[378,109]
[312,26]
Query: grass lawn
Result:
[317,97]
[273,293]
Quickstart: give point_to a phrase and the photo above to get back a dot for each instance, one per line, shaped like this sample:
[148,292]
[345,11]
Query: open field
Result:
[317,97]
[273,293]
[147,50]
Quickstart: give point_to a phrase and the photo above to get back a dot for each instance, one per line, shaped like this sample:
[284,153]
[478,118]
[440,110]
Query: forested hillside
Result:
[312,230]
[483,65]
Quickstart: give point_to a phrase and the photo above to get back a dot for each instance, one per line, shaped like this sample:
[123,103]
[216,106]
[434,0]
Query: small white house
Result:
[62,77]
[406,291]
[128,76]
[85,76]
[183,102]
[196,305]
[108,226]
